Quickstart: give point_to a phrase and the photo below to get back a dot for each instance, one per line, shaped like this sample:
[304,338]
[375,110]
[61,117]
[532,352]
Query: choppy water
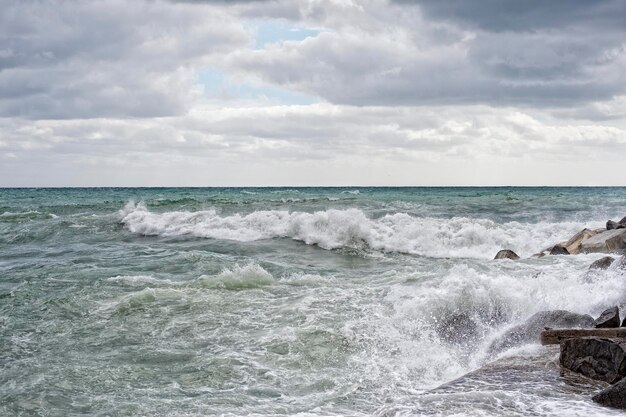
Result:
[314,301]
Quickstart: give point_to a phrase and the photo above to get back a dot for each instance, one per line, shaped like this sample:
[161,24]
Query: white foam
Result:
[333,229]
[140,280]
[237,278]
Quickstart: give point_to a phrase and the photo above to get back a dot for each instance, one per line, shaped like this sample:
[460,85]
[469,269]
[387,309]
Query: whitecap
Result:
[352,228]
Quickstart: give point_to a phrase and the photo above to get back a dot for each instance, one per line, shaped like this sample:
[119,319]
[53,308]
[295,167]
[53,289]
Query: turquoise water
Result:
[280,301]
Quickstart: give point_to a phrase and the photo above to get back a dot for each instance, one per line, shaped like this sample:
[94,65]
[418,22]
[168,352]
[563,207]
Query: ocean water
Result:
[290,301]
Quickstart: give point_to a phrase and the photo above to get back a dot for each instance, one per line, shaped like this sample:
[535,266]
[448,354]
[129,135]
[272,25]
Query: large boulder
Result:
[595,357]
[530,330]
[506,254]
[602,263]
[608,241]
[608,319]
[573,245]
[613,396]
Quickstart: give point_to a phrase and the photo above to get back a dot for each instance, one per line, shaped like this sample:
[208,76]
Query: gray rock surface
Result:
[609,318]
[506,254]
[613,396]
[596,358]
[602,263]
[606,242]
[530,330]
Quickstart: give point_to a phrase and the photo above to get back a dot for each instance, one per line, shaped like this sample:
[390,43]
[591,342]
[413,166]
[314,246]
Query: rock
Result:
[607,241]
[530,331]
[613,396]
[558,250]
[602,263]
[458,328]
[611,225]
[595,357]
[573,245]
[608,318]
[506,254]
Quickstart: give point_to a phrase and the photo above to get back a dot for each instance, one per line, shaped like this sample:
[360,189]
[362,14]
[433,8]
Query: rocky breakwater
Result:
[611,239]
[599,358]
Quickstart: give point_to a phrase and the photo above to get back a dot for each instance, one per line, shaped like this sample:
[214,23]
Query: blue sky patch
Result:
[218,85]
[276,31]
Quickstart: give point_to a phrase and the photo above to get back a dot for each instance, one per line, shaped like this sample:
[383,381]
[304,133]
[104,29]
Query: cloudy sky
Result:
[312,92]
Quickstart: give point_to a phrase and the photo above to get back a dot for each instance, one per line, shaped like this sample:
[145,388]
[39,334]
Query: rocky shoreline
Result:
[585,352]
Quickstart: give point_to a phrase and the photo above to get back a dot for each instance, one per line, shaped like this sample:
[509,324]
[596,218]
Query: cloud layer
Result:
[402,92]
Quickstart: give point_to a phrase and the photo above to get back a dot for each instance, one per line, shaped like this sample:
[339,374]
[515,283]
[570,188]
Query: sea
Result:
[291,301]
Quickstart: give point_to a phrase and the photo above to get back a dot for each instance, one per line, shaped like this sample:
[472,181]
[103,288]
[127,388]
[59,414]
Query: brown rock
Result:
[607,241]
[573,245]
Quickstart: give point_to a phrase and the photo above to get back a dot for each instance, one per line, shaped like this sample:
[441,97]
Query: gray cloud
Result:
[514,15]
[106,58]
[381,55]
[408,92]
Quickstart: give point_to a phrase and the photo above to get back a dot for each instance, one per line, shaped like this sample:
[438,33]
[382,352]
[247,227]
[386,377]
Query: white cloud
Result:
[258,145]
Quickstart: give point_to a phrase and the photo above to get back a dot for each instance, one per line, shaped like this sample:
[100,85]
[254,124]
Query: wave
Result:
[137,280]
[237,278]
[352,228]
[9,216]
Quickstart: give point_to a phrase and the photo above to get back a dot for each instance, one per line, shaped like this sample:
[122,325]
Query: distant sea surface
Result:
[284,301]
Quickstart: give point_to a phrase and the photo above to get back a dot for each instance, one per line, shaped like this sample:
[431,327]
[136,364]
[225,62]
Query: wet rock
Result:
[530,331]
[573,245]
[458,329]
[595,357]
[609,318]
[607,242]
[602,263]
[506,254]
[558,250]
[613,396]
[611,225]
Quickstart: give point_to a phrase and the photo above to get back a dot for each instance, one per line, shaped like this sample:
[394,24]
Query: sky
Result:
[312,92]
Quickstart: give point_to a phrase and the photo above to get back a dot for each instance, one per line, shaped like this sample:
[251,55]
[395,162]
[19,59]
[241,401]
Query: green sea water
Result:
[283,301]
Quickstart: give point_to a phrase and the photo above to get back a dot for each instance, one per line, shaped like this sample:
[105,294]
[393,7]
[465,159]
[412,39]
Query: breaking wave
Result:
[352,228]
